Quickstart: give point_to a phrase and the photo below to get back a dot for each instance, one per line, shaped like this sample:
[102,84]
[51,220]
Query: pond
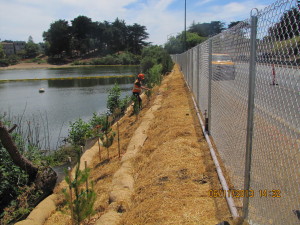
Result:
[63,101]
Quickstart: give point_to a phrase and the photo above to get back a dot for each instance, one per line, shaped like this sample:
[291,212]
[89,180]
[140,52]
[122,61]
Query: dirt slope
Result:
[172,171]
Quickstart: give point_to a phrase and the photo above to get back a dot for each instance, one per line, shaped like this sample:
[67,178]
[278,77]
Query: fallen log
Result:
[40,179]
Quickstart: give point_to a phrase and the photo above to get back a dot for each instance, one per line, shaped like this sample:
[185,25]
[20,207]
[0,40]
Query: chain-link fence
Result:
[247,80]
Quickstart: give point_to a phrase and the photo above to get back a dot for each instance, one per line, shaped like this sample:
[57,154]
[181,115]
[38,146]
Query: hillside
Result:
[165,171]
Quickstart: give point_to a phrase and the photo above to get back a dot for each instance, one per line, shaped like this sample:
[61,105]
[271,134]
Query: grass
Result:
[173,173]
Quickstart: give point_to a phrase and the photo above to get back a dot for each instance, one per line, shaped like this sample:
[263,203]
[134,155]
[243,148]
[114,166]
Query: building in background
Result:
[11,48]
[8,48]
[19,46]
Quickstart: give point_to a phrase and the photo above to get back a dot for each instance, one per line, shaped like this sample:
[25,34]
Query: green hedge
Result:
[155,62]
[11,60]
[124,58]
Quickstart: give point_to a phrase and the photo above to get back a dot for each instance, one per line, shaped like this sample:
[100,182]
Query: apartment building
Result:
[11,48]
[8,48]
[19,46]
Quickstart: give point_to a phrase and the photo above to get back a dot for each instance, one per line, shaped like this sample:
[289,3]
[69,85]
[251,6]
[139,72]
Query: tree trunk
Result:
[42,180]
[15,155]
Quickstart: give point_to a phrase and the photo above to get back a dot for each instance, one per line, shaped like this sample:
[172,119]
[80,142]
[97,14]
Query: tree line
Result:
[286,29]
[196,33]
[84,36]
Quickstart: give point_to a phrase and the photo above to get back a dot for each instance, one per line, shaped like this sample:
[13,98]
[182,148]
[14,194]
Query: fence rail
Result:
[247,80]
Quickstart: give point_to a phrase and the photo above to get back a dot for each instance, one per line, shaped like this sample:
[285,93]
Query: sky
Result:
[20,19]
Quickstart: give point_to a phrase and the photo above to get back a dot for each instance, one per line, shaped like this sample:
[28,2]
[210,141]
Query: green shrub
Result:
[79,132]
[83,203]
[98,61]
[124,103]
[156,55]
[136,106]
[124,58]
[155,75]
[113,100]
[166,62]
[13,59]
[97,120]
[21,206]
[38,60]
[128,58]
[109,60]
[107,136]
[34,154]
[4,62]
[10,60]
[12,177]
[155,62]
[76,62]
[16,198]
[13,180]
[147,63]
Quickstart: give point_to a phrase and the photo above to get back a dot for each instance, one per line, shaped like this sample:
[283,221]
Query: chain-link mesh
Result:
[275,171]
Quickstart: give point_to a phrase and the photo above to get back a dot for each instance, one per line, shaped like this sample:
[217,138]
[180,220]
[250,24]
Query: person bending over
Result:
[137,88]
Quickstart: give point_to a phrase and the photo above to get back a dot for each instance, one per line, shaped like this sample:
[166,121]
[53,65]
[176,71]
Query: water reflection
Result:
[89,82]
[64,101]
[90,70]
[69,72]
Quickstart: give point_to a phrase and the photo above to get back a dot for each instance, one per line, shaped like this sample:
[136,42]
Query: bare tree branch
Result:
[13,128]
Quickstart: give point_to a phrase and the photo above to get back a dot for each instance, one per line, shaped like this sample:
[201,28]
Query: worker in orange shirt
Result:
[137,88]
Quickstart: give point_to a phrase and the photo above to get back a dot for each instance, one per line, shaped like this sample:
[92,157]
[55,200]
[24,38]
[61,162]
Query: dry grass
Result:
[102,171]
[173,170]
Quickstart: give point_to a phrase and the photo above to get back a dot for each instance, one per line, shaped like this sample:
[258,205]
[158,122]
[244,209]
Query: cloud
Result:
[21,21]
[227,13]
[21,18]
[105,9]
[203,2]
[159,21]
[162,4]
[150,13]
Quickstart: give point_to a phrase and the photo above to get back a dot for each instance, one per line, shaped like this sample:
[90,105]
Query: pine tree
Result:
[80,200]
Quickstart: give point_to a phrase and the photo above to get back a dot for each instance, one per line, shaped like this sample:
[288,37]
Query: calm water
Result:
[63,100]
[68,72]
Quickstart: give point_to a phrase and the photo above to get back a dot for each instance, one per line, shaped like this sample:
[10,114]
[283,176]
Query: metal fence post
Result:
[186,66]
[252,75]
[192,70]
[182,64]
[197,73]
[209,83]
